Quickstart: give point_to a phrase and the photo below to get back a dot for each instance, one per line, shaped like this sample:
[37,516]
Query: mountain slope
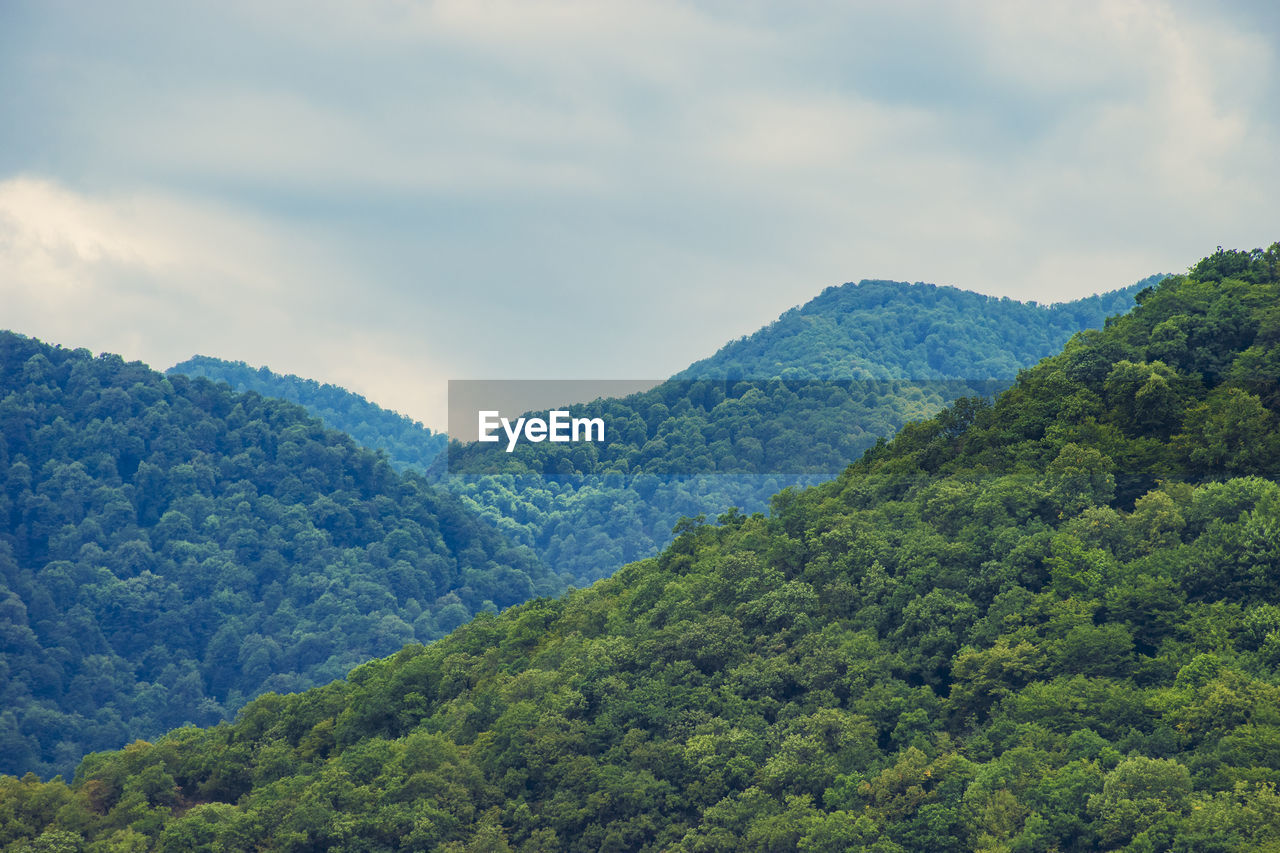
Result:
[407,442]
[1048,624]
[895,330]
[170,548]
[860,361]
[835,351]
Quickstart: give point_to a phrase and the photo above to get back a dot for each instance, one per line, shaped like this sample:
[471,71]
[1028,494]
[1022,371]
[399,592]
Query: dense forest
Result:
[687,428]
[861,360]
[171,548]
[857,366]
[895,330]
[1051,623]
[407,442]
[203,516]
[701,446]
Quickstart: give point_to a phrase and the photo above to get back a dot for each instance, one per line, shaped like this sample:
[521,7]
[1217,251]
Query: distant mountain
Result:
[1051,623]
[896,352]
[895,330]
[824,383]
[407,442]
[170,548]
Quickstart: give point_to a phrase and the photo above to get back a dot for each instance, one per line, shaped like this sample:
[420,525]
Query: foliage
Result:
[1033,625]
[860,361]
[407,442]
[832,378]
[878,330]
[171,548]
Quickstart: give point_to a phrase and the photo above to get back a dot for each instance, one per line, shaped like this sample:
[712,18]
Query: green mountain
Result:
[829,380]
[1051,623]
[685,448]
[254,635]
[407,442]
[170,548]
[895,330]
[860,361]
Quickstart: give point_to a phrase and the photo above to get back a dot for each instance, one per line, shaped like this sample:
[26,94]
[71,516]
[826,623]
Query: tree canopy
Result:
[408,444]
[823,384]
[171,548]
[1047,623]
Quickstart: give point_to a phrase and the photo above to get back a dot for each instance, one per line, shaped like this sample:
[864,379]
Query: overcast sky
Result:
[387,195]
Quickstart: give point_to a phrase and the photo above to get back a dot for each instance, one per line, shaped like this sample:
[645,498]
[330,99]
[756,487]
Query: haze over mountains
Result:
[173,547]
[1051,623]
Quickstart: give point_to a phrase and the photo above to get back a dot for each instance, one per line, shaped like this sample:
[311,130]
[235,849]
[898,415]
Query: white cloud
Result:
[159,280]
[397,191]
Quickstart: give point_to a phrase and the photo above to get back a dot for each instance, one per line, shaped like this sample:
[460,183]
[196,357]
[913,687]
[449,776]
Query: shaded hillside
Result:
[169,548]
[895,330]
[407,442]
[1051,623]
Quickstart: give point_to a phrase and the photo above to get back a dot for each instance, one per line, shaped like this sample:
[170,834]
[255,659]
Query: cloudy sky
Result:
[387,194]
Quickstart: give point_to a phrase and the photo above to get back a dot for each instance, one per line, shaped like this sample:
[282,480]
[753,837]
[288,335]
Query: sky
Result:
[387,195]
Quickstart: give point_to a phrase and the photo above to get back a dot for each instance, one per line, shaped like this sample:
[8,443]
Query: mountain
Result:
[170,548]
[860,360]
[829,380]
[895,330]
[407,442]
[1047,623]
[813,390]
[247,623]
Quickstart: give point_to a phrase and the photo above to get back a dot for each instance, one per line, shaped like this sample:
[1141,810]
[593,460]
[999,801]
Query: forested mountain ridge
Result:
[859,361]
[170,548]
[407,442]
[584,529]
[846,354]
[1051,623]
[809,392]
[896,330]
[686,428]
